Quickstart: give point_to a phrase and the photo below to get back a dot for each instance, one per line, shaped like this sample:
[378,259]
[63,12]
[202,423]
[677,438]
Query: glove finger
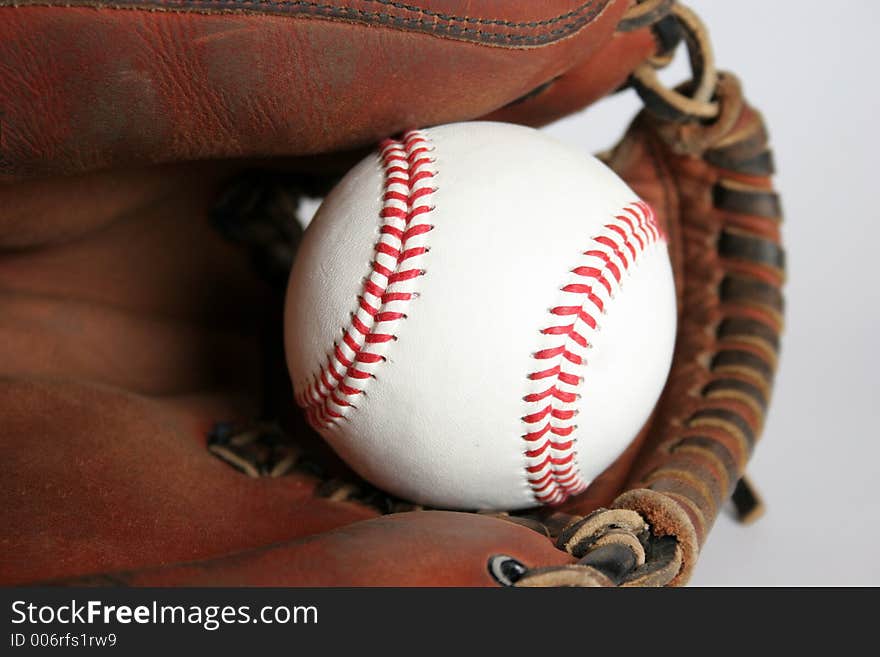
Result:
[277,80]
[425,548]
[100,479]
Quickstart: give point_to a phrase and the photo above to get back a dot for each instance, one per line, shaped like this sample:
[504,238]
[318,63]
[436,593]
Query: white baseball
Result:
[480,317]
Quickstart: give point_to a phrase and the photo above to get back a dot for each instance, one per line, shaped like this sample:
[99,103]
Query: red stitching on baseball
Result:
[551,467]
[387,290]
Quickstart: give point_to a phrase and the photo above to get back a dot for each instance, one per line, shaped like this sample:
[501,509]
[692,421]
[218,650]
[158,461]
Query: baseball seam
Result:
[552,468]
[388,289]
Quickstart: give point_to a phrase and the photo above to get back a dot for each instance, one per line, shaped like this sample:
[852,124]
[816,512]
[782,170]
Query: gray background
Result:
[808,66]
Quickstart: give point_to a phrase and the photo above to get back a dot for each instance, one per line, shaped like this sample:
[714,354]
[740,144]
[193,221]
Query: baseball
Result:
[480,317]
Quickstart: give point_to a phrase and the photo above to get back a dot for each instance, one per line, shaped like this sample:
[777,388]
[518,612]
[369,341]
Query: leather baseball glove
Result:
[154,155]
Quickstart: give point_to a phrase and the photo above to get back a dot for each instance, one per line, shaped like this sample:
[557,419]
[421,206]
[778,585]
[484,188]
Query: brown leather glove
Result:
[153,154]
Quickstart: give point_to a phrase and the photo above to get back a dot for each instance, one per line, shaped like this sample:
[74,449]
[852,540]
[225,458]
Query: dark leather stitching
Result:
[750,247]
[739,358]
[728,416]
[755,202]
[715,447]
[737,385]
[434,22]
[736,289]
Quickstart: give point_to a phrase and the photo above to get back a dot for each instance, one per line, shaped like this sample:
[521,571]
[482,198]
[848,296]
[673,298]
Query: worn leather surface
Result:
[85,86]
[129,326]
